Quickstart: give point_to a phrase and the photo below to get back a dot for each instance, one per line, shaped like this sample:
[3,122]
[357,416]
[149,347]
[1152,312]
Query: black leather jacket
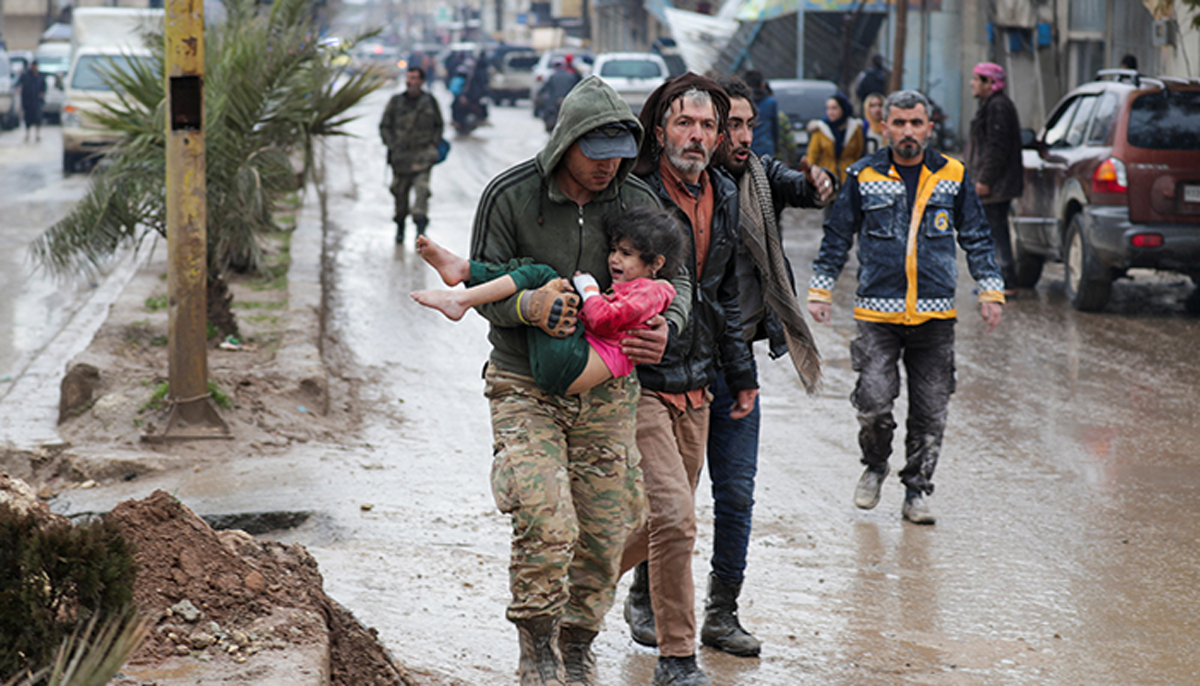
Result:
[713,335]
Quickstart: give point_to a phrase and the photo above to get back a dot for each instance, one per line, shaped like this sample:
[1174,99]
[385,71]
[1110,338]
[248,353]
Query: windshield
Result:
[1166,121]
[631,69]
[53,64]
[90,70]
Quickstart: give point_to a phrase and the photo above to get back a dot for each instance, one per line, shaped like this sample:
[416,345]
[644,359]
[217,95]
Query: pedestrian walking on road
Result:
[994,160]
[837,141]
[770,310]
[565,467]
[31,86]
[873,79]
[687,117]
[766,125]
[647,246]
[906,205]
[411,129]
[873,123]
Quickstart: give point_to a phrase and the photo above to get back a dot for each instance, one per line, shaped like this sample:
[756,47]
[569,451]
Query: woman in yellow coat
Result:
[837,141]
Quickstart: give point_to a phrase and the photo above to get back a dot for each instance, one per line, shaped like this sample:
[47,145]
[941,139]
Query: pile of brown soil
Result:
[224,596]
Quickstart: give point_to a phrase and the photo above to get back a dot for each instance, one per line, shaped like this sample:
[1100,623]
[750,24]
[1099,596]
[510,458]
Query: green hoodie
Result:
[522,213]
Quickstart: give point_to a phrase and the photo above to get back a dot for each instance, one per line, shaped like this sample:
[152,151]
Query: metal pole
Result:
[193,412]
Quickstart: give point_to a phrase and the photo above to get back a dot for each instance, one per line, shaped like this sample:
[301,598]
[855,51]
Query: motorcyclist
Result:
[468,109]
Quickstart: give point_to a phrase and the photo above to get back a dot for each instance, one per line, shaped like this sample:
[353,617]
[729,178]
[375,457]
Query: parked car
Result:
[384,59]
[1112,183]
[10,117]
[512,76]
[802,100]
[669,50]
[54,59]
[581,60]
[633,75]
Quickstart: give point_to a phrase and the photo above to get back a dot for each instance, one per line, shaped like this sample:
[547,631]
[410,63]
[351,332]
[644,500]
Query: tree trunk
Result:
[220,314]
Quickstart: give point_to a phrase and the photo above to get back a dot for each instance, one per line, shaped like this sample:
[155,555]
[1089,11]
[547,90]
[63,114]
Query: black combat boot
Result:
[721,629]
[399,231]
[421,221]
[540,662]
[639,614]
[575,644]
[679,671]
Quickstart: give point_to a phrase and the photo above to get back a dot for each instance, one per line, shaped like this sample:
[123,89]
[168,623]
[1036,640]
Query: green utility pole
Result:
[193,412]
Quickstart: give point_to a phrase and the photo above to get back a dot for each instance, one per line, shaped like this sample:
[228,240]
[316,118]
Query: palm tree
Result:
[269,92]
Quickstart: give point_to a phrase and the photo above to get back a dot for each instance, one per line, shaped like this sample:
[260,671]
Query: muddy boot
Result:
[575,644]
[421,221]
[721,629]
[540,663]
[679,671]
[638,612]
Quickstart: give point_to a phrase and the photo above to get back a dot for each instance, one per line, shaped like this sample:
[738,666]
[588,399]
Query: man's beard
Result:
[685,164]
[908,148]
[726,158]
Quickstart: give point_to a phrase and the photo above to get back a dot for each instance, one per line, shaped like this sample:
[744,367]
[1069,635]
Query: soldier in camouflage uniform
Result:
[565,467]
[411,129]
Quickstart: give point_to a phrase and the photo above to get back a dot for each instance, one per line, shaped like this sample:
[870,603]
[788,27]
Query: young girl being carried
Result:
[646,246]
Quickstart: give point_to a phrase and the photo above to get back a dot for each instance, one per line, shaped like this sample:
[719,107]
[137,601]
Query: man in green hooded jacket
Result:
[565,467]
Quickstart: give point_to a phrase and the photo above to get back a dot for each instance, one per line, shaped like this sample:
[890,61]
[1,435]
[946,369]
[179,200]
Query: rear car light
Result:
[1110,177]
[1147,240]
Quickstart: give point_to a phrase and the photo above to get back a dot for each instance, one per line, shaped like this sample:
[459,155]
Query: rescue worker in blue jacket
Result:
[907,205]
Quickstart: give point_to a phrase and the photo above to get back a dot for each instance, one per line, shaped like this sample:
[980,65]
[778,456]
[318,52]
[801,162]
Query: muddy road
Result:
[1065,550]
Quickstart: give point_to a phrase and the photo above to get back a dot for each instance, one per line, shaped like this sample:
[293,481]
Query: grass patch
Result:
[159,397]
[268,319]
[253,305]
[156,303]
[159,341]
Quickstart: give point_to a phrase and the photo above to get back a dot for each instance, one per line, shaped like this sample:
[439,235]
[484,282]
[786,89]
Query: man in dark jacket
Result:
[411,129]
[770,310]
[564,467]
[32,88]
[766,124]
[873,79]
[906,205]
[995,160]
[685,120]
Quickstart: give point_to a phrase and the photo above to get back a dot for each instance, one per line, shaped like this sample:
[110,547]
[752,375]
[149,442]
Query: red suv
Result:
[1112,183]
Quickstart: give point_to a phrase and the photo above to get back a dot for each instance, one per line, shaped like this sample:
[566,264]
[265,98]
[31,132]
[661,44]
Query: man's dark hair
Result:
[658,106]
[652,232]
[1129,62]
[737,88]
[877,61]
[418,70]
[754,79]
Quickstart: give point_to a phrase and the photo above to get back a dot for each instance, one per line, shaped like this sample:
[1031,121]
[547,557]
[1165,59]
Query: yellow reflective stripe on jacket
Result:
[952,171]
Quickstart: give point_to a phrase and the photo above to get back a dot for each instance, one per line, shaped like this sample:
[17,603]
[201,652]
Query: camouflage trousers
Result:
[566,468]
[418,184]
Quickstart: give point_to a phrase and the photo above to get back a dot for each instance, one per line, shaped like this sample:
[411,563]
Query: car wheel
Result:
[1028,267]
[1088,282]
[71,162]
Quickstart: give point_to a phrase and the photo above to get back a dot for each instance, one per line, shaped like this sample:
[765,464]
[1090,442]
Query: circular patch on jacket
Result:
[941,220]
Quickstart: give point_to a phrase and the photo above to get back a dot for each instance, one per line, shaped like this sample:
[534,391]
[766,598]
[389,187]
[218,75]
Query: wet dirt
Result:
[1066,494]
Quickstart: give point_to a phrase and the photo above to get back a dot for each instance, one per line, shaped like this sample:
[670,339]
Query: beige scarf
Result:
[761,236]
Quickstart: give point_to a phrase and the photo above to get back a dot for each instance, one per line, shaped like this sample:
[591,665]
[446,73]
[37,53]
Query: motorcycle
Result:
[467,115]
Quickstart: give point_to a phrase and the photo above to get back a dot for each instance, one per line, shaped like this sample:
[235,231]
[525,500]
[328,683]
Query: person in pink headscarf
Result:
[994,160]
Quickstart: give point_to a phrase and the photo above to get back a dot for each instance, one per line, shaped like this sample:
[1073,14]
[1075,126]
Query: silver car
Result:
[54,60]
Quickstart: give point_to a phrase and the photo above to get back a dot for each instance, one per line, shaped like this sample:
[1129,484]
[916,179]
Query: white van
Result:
[102,38]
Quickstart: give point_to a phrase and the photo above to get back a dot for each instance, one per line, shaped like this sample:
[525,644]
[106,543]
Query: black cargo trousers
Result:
[928,353]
